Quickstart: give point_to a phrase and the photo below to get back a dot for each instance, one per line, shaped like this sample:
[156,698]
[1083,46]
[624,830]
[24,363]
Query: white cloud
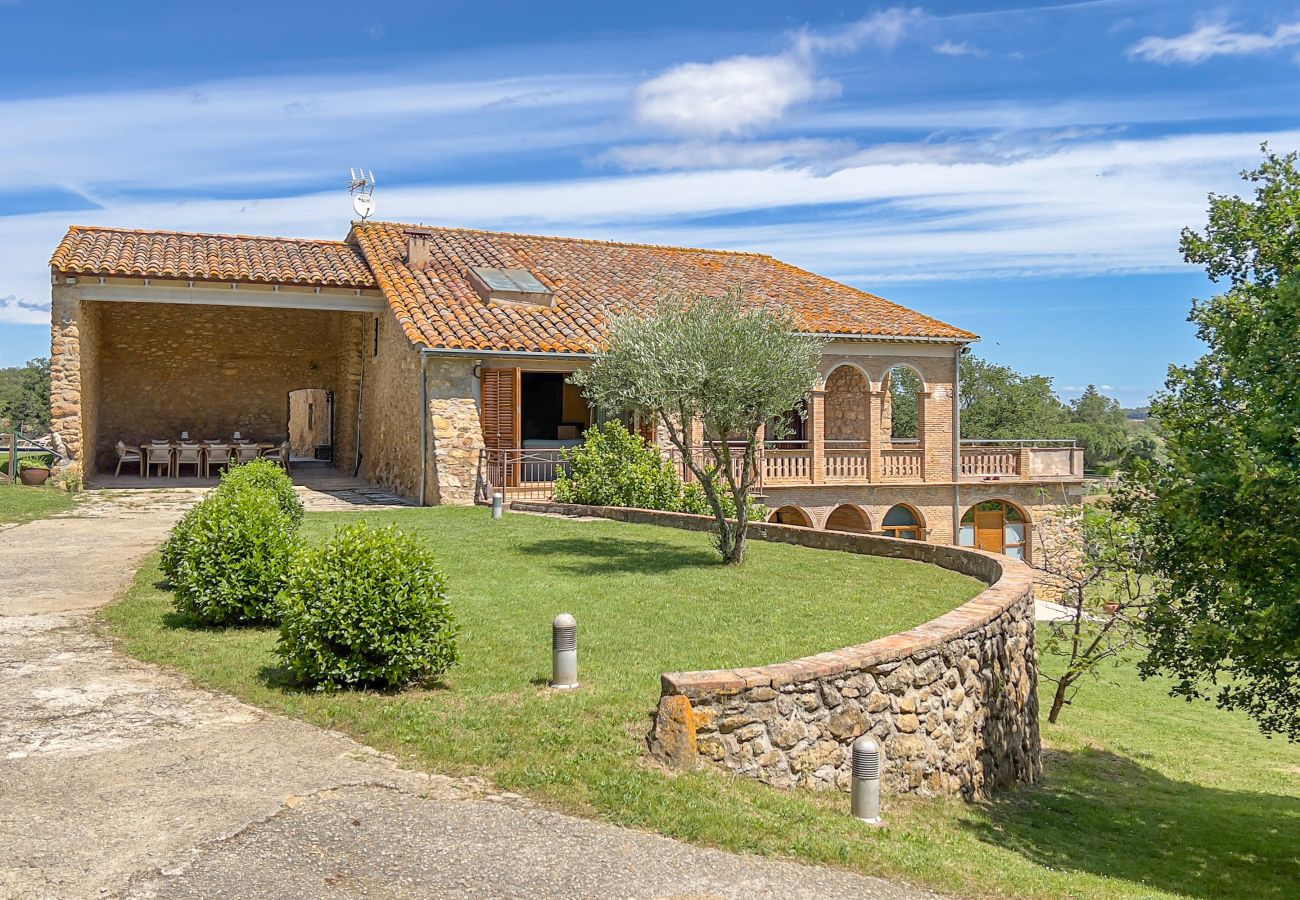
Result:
[15,311]
[728,97]
[953,48]
[1076,208]
[724,154]
[740,94]
[1214,39]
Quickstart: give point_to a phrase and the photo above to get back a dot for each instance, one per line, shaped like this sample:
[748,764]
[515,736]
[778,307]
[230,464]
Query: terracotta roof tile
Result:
[210,257]
[438,307]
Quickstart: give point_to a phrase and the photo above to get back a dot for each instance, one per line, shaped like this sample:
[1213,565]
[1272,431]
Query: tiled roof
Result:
[210,257]
[438,306]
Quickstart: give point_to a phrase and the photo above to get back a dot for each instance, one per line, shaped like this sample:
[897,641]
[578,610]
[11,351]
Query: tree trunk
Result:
[1058,700]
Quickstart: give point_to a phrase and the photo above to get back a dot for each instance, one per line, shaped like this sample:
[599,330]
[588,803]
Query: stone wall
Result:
[457,429]
[847,393]
[390,408]
[309,421]
[953,702]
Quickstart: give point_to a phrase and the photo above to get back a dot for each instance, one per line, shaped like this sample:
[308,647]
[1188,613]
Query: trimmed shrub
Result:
[265,476]
[614,467]
[366,609]
[229,557]
[260,478]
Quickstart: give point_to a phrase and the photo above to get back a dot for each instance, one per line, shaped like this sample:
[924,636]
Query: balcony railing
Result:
[528,473]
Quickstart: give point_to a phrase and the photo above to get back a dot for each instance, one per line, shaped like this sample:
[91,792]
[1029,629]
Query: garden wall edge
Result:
[953,701]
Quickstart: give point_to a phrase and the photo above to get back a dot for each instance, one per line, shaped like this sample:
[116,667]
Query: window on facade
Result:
[791,515]
[902,522]
[995,526]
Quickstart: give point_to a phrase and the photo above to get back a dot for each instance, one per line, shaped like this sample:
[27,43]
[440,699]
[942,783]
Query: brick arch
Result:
[891,365]
[848,517]
[1026,543]
[792,515]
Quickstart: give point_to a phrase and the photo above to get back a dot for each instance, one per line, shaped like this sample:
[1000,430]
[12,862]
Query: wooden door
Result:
[500,414]
[989,533]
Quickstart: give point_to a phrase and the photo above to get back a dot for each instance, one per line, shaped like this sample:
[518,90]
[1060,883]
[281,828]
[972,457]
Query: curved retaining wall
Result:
[953,702]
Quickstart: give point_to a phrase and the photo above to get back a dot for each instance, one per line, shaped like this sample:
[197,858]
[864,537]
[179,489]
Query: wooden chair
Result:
[158,454]
[188,455]
[215,455]
[279,455]
[127,454]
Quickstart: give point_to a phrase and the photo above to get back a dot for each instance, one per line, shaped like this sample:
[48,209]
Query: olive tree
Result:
[719,362]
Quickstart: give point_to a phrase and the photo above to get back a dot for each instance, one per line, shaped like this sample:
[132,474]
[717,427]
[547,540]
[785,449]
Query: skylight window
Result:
[509,286]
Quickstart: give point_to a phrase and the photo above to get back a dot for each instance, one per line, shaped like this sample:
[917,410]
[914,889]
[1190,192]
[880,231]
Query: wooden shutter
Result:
[501,424]
[500,408]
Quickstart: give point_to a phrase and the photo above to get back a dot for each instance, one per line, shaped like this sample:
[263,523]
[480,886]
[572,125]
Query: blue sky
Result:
[1020,170]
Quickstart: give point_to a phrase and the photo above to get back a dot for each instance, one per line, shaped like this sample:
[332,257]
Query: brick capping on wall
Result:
[953,701]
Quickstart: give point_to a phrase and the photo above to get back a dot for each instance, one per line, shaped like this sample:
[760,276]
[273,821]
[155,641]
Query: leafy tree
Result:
[1103,593]
[905,399]
[1098,423]
[1219,510]
[998,402]
[25,396]
[717,361]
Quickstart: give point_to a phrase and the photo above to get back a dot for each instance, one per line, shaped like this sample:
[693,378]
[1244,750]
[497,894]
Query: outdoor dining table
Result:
[173,446]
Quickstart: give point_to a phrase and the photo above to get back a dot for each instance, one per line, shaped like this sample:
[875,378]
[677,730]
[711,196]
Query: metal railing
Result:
[519,473]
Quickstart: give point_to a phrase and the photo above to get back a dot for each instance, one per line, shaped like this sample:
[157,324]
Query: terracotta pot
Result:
[33,477]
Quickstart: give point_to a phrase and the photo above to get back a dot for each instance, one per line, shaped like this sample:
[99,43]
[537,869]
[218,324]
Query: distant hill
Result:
[1137,412]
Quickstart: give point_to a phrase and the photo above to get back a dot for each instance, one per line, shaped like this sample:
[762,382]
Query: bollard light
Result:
[866,780]
[564,652]
[498,502]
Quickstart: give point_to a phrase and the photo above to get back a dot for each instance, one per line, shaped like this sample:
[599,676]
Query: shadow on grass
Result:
[280,678]
[1102,813]
[607,555]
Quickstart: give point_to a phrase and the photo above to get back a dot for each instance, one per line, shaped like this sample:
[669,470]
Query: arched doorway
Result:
[848,517]
[311,424]
[903,521]
[996,526]
[791,515]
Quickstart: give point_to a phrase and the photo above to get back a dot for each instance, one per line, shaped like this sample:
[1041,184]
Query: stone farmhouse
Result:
[432,362]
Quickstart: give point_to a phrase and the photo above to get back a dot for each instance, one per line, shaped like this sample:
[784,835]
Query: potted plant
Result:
[33,470]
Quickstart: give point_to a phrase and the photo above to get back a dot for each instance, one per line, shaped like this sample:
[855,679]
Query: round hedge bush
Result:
[259,478]
[264,476]
[368,608]
[229,558]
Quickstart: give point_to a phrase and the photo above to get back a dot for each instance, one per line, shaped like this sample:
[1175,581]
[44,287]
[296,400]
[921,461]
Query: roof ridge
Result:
[570,240]
[209,234]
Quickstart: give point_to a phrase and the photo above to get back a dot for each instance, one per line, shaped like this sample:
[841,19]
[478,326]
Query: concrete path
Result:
[121,779]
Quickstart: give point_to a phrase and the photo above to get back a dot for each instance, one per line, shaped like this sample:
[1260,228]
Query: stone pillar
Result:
[935,427]
[74,376]
[817,436]
[455,432]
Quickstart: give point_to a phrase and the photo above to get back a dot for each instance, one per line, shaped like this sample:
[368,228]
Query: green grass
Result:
[22,503]
[1144,796]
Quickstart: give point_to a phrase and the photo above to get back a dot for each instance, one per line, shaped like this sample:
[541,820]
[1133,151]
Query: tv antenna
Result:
[362,188]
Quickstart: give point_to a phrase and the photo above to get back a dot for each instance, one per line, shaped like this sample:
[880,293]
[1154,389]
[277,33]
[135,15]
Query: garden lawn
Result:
[1144,796]
[22,503]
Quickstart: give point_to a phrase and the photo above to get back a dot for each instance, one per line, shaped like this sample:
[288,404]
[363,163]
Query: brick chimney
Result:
[419,247]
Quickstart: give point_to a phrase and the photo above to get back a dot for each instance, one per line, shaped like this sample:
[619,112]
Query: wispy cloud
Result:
[23,312]
[1076,208]
[955,48]
[1211,40]
[741,94]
